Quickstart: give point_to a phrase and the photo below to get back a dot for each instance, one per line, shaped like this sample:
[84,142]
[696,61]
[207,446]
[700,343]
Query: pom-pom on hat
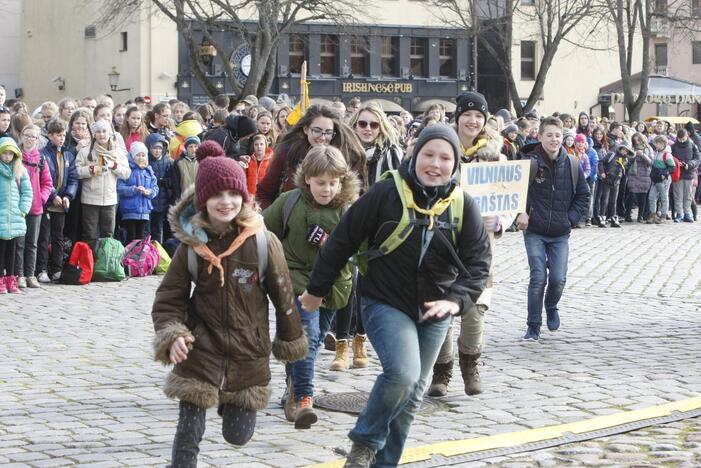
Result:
[215,174]
[209,148]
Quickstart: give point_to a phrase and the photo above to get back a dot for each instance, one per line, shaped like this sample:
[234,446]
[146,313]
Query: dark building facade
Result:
[404,65]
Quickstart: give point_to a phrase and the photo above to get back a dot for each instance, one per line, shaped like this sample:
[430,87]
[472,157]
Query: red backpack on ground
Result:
[79,267]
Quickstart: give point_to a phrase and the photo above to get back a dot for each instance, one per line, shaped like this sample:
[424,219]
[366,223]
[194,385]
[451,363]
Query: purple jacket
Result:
[40,177]
[638,169]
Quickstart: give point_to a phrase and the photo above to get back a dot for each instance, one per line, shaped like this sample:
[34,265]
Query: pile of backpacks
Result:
[114,262]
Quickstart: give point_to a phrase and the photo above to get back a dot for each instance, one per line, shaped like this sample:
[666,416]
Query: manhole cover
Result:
[354,403]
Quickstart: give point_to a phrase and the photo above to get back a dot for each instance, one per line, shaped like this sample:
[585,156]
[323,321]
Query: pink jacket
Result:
[42,184]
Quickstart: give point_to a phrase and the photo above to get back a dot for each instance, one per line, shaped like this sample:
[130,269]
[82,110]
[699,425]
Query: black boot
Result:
[442,373]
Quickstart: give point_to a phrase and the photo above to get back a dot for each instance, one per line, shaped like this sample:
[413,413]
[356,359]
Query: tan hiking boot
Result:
[341,361]
[470,373]
[305,415]
[442,373]
[290,401]
[360,351]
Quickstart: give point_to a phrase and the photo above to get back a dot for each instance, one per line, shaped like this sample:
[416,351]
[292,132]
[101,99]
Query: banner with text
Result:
[497,187]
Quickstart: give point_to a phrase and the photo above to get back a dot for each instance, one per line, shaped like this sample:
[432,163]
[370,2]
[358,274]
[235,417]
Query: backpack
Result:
[108,266]
[164,259]
[574,171]
[408,221]
[261,246]
[78,269]
[140,257]
[287,211]
[677,171]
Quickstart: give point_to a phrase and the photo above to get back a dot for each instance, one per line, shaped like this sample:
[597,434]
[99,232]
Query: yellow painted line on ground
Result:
[511,439]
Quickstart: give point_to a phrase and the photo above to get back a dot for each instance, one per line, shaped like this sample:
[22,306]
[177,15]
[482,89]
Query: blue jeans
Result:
[302,372]
[407,351]
[547,259]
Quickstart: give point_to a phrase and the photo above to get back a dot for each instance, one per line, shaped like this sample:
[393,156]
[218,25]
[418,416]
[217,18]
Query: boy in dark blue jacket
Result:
[61,163]
[162,168]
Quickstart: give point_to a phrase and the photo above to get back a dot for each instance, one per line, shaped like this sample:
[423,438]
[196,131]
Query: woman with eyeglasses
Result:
[320,125]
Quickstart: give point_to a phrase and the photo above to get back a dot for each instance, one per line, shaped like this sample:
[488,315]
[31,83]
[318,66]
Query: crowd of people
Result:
[330,217]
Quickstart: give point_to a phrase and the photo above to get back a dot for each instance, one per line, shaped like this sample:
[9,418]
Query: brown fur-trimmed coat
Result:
[229,361]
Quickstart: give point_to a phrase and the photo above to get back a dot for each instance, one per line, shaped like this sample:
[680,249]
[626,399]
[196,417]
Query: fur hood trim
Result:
[490,151]
[290,351]
[164,339]
[350,187]
[254,398]
[194,391]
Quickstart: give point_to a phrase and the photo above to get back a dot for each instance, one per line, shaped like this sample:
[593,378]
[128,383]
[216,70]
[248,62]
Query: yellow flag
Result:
[301,108]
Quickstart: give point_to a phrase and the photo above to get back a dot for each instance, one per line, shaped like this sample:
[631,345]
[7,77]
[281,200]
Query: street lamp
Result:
[113,78]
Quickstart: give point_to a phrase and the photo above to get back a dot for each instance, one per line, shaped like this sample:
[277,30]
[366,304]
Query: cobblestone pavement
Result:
[78,385]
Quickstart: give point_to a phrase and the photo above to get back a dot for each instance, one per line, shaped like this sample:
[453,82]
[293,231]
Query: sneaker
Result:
[32,282]
[3,284]
[533,333]
[553,320]
[21,282]
[688,219]
[56,276]
[12,284]
[44,277]
[678,219]
[360,456]
[587,222]
[305,415]
[615,223]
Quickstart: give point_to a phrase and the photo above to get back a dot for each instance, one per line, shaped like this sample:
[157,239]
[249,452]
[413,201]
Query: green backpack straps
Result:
[108,266]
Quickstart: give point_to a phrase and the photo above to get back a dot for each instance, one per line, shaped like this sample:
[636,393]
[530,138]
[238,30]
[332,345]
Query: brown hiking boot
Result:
[470,373]
[360,351]
[341,361]
[330,341]
[305,416]
[360,456]
[442,373]
[290,401]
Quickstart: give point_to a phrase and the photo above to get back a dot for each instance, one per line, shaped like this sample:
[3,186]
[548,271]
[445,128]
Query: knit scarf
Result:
[215,261]
[109,153]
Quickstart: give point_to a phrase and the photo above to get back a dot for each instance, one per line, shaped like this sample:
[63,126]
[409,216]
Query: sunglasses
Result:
[365,124]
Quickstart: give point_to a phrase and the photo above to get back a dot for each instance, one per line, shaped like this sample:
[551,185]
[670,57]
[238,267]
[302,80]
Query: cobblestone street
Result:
[78,385]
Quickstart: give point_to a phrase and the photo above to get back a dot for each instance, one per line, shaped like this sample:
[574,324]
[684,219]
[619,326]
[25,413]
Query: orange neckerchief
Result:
[215,260]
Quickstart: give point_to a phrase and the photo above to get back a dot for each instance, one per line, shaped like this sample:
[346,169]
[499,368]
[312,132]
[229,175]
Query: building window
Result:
[390,48]
[446,58]
[124,41]
[696,52]
[359,56]
[661,59]
[661,7]
[527,60]
[696,8]
[417,56]
[298,52]
[328,54]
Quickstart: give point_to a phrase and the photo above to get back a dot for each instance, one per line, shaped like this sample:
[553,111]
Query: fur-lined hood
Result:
[490,148]
[187,223]
[350,187]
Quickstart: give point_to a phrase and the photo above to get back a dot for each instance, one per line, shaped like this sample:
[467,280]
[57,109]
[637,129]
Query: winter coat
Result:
[688,153]
[40,176]
[611,168]
[300,254]
[100,190]
[134,205]
[15,201]
[182,176]
[395,279]
[228,135]
[69,182]
[593,156]
[279,178]
[381,160]
[229,360]
[638,170]
[256,170]
[553,204]
[584,161]
[183,131]
[163,170]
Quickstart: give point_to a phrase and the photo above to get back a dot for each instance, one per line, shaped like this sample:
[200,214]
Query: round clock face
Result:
[246,64]
[241,63]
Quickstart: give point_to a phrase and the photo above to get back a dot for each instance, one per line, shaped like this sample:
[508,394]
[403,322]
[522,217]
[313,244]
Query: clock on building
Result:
[241,63]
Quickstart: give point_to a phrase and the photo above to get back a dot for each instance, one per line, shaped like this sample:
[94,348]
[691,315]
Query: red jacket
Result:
[256,170]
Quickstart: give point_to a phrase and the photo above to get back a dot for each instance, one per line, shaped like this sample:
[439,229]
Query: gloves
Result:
[316,235]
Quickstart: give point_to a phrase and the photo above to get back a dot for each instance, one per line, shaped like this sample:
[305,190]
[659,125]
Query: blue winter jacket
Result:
[15,202]
[135,205]
[553,204]
[593,163]
[69,185]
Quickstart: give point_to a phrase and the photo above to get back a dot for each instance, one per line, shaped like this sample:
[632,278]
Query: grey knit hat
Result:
[442,131]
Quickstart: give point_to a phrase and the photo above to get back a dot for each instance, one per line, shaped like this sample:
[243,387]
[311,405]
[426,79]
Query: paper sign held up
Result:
[498,187]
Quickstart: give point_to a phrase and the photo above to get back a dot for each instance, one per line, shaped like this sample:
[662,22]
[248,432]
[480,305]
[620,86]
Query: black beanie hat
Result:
[442,131]
[471,101]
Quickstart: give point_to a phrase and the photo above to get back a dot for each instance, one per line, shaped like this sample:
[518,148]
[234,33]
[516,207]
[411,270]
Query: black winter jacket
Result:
[394,279]
[553,205]
[688,153]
